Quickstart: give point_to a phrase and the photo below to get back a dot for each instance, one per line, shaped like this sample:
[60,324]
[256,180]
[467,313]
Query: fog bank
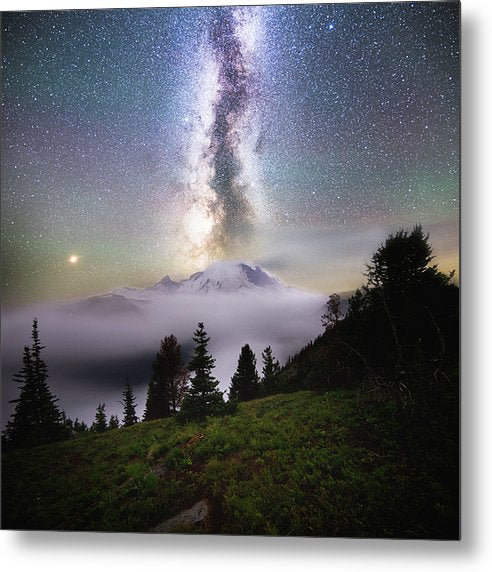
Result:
[89,351]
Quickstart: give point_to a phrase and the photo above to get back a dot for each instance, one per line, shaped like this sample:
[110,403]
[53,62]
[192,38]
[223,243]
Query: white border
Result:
[74,552]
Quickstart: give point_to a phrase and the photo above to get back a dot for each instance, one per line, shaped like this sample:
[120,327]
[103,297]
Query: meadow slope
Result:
[294,464]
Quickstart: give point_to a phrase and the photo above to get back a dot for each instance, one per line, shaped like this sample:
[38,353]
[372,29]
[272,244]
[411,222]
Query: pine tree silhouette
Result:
[36,419]
[245,382]
[20,430]
[79,426]
[271,369]
[168,381]
[333,312]
[100,423]
[129,405]
[203,397]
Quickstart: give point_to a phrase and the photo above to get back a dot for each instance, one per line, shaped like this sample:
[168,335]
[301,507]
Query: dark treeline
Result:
[397,341]
[400,337]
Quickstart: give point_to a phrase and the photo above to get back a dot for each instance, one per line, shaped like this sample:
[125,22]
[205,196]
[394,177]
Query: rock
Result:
[187,519]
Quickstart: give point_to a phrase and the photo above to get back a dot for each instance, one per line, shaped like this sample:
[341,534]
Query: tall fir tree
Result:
[168,381]
[203,397]
[129,406]
[49,414]
[36,419]
[20,430]
[270,371]
[333,312]
[100,423]
[151,403]
[245,381]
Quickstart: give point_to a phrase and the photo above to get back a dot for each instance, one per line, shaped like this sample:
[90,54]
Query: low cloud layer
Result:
[90,353]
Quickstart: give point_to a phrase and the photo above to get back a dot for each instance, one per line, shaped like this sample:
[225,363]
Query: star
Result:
[322,115]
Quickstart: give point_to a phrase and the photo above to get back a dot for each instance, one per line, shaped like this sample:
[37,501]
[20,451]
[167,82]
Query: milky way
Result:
[233,96]
[220,213]
[152,141]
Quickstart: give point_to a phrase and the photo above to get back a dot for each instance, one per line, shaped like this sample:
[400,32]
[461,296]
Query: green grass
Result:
[294,464]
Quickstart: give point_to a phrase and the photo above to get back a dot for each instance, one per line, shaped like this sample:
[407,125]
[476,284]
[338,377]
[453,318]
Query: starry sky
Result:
[143,142]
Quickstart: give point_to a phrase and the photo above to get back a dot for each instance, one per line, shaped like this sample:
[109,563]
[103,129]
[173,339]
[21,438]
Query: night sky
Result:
[139,143]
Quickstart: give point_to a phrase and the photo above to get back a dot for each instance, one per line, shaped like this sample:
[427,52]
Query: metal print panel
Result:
[230,272]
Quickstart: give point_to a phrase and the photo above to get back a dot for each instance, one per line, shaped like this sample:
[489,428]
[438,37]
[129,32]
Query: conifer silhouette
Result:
[168,381]
[270,371]
[36,419]
[129,405]
[203,397]
[245,381]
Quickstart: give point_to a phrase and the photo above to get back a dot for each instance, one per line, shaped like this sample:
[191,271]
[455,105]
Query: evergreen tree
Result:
[20,430]
[129,405]
[357,303]
[151,403]
[114,422]
[36,419]
[245,382]
[402,325]
[405,303]
[399,333]
[271,369]
[403,262]
[333,312]
[79,426]
[203,397]
[48,414]
[168,382]
[100,423]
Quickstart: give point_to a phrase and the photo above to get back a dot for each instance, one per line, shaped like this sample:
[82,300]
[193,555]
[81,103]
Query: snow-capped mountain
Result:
[231,277]
[98,340]
[223,277]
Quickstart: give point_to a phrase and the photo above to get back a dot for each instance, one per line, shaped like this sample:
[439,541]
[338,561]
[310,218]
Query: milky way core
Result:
[220,186]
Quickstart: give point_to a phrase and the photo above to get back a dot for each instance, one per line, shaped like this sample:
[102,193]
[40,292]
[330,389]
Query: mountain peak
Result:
[221,276]
[231,276]
[167,280]
[165,285]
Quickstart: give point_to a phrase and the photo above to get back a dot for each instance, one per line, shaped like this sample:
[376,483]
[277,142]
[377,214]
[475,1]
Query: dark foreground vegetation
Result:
[297,464]
[357,435]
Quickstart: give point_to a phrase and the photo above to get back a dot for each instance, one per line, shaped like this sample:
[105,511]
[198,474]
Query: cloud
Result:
[273,263]
[89,355]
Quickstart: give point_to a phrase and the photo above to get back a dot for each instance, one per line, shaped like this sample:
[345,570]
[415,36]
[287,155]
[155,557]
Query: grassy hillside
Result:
[295,464]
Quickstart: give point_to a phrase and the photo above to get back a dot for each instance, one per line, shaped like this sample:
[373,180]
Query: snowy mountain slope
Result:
[231,277]
[224,277]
